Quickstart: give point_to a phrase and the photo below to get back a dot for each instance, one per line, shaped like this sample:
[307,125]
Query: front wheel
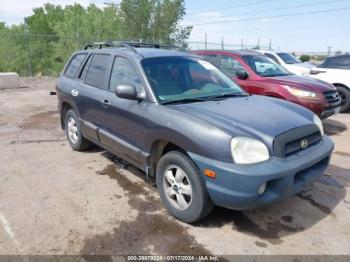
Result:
[345,98]
[182,187]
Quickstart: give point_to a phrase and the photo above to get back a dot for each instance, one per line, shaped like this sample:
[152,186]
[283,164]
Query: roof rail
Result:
[129,45]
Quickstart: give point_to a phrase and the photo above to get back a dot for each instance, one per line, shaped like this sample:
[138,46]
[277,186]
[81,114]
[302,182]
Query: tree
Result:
[304,58]
[153,20]
[52,33]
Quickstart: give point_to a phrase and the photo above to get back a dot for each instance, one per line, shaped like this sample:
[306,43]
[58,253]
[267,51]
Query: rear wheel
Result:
[73,132]
[182,187]
[345,98]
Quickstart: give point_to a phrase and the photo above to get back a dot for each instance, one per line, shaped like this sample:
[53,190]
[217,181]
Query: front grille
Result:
[333,99]
[289,142]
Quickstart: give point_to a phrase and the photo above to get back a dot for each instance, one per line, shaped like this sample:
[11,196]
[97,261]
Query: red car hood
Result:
[308,83]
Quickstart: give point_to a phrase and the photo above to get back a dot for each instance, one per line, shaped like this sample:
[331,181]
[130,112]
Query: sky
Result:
[290,25]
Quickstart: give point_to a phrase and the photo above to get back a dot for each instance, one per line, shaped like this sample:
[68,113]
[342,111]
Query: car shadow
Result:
[273,222]
[296,214]
[333,127]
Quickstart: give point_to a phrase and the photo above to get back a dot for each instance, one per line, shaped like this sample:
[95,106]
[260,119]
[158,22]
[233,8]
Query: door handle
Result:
[105,103]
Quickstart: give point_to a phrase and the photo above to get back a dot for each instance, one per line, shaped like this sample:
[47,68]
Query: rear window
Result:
[96,73]
[74,64]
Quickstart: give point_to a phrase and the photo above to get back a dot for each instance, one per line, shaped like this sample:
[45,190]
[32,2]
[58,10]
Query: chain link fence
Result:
[40,54]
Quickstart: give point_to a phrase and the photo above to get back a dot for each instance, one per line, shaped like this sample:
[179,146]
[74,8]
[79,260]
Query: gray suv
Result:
[184,122]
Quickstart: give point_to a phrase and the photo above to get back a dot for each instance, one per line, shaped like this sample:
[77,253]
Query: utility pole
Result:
[222,43]
[258,43]
[26,37]
[270,45]
[329,50]
[205,41]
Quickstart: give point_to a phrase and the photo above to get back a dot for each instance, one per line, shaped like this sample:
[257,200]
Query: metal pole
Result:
[258,43]
[329,50]
[205,42]
[270,44]
[26,37]
[222,43]
[242,44]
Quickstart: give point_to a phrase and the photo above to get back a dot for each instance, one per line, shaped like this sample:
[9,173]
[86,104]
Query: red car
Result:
[259,75]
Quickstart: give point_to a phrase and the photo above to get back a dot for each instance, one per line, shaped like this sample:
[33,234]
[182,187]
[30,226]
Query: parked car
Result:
[257,74]
[184,122]
[289,62]
[336,71]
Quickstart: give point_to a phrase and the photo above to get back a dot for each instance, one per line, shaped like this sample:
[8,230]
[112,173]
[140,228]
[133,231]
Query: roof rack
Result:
[129,45]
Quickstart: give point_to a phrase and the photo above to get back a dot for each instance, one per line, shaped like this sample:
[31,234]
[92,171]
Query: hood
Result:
[302,65]
[299,69]
[255,116]
[308,83]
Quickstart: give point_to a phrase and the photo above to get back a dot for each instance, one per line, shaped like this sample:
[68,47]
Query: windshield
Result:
[187,79]
[337,62]
[264,66]
[288,59]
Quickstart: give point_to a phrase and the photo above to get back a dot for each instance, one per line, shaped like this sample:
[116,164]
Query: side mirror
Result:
[126,92]
[242,74]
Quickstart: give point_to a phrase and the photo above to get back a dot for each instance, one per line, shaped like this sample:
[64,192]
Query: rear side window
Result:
[212,58]
[230,65]
[82,76]
[74,65]
[96,73]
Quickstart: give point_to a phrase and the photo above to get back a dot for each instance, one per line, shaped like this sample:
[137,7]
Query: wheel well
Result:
[64,109]
[341,85]
[160,148]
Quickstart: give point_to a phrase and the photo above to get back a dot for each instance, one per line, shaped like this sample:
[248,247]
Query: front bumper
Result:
[329,112]
[236,186]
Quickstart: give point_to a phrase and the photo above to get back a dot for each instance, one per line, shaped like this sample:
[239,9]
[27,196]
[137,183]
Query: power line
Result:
[274,16]
[284,8]
[230,7]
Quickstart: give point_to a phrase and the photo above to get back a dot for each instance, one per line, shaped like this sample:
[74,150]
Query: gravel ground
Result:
[56,201]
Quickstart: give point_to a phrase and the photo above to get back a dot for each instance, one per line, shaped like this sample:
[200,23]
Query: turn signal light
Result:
[209,173]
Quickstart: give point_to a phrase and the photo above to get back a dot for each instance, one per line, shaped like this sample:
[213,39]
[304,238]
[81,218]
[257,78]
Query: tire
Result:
[77,141]
[345,95]
[198,203]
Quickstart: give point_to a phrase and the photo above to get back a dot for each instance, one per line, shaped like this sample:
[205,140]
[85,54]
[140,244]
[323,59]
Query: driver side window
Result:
[230,66]
[124,73]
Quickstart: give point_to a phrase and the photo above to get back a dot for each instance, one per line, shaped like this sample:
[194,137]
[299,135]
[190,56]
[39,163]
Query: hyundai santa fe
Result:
[185,123]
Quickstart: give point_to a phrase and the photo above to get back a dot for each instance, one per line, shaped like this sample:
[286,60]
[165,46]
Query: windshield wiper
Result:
[228,95]
[184,100]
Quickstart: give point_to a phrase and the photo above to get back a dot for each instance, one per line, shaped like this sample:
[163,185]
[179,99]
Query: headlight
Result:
[301,93]
[317,121]
[246,150]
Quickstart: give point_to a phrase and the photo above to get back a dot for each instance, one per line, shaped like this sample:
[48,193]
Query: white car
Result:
[289,62]
[336,71]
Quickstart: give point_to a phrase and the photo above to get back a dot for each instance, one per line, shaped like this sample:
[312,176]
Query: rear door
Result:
[92,93]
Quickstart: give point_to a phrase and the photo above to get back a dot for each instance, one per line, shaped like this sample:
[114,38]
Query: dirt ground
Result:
[56,201]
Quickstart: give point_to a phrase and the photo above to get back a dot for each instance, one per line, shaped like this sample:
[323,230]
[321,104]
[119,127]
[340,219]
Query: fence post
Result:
[242,44]
[26,36]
